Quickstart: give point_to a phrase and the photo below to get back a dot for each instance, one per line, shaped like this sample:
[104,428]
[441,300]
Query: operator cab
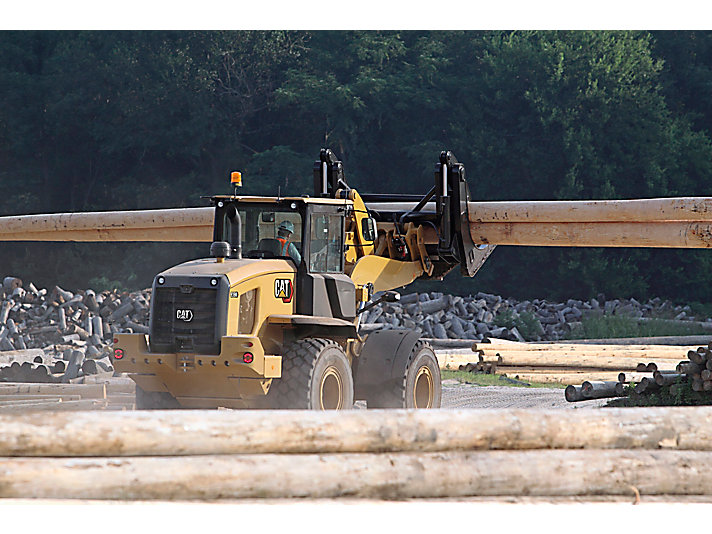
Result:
[310,232]
[276,228]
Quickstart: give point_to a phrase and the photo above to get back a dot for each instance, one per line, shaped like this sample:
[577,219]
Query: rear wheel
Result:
[315,376]
[417,385]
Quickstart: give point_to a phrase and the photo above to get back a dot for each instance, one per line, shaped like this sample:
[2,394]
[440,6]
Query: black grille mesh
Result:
[175,335]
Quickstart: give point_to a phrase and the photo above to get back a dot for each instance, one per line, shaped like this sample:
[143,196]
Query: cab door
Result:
[323,288]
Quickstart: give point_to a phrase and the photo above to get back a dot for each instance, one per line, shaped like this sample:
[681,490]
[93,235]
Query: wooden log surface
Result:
[575,348]
[571,377]
[637,210]
[671,234]
[53,406]
[656,340]
[185,224]
[87,391]
[196,432]
[615,223]
[602,361]
[382,476]
[26,355]
[613,361]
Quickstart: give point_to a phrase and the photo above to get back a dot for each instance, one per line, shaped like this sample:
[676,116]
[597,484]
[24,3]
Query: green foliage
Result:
[681,394]
[124,120]
[616,326]
[480,379]
[102,283]
[526,323]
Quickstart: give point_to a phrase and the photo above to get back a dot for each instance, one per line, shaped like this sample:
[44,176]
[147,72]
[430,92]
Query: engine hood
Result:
[235,270]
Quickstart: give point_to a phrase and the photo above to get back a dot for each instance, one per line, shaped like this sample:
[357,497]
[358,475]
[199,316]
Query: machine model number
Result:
[184,315]
[283,289]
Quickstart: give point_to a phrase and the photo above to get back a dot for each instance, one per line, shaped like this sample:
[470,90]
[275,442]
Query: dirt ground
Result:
[458,396]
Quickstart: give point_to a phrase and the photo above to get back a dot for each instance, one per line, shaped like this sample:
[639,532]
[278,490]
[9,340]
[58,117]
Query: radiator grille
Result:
[171,333]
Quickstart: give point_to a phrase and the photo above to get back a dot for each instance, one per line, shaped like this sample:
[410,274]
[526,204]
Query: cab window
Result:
[326,243]
[267,233]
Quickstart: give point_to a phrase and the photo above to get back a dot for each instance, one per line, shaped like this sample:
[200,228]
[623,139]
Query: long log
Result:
[640,223]
[196,432]
[555,359]
[657,340]
[87,391]
[574,348]
[53,406]
[185,224]
[572,378]
[638,210]
[672,234]
[599,390]
[382,476]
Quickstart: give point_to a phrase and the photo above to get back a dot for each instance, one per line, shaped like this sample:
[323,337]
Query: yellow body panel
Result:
[235,270]
[192,377]
[199,380]
[385,273]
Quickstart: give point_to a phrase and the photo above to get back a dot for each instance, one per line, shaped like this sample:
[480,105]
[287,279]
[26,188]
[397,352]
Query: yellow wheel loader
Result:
[271,319]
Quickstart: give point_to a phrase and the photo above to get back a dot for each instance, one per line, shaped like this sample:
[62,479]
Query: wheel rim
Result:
[331,391]
[424,389]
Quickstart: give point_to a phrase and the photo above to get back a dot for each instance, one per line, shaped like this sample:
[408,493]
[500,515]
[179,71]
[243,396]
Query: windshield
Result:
[267,232]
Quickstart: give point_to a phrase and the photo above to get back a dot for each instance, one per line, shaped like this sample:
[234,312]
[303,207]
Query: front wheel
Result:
[416,385]
[316,375]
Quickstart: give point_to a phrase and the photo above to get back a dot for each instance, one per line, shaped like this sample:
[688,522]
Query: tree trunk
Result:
[379,476]
[169,433]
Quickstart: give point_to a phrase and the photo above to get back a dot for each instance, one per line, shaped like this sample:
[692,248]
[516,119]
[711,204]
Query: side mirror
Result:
[368,230]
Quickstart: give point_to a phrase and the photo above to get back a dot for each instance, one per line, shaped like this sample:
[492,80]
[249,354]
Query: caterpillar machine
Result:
[271,319]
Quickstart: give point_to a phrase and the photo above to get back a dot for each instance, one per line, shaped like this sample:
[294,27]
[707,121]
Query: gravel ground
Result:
[457,396]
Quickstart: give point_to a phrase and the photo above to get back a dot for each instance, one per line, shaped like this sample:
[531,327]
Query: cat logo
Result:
[283,289]
[184,315]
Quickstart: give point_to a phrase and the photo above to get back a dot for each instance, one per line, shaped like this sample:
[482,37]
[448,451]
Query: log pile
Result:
[440,316]
[98,392]
[689,383]
[563,363]
[387,454]
[57,335]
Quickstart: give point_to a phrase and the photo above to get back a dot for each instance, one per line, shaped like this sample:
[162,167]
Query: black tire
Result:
[315,376]
[155,400]
[418,385]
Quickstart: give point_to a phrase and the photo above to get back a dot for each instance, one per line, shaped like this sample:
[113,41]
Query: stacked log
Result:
[101,393]
[62,334]
[562,363]
[691,375]
[440,316]
[394,454]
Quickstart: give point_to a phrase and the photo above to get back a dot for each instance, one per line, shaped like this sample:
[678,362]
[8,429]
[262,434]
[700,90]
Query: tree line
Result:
[136,120]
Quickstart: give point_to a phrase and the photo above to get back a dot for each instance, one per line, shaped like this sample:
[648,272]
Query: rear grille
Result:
[170,332]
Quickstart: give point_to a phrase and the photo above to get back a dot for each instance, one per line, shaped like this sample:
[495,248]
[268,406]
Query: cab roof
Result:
[272,200]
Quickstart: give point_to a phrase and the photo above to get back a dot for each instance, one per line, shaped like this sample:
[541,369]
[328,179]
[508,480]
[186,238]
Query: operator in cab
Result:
[284,234]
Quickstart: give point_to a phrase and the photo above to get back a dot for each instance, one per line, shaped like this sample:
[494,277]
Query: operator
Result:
[284,234]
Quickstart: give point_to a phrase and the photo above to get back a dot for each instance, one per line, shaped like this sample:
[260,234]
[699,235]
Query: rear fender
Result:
[384,357]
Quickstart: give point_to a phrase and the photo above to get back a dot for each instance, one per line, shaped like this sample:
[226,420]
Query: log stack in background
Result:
[690,382]
[562,363]
[94,393]
[441,316]
[57,335]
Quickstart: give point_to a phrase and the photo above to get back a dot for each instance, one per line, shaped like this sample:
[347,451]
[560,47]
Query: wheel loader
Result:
[271,318]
